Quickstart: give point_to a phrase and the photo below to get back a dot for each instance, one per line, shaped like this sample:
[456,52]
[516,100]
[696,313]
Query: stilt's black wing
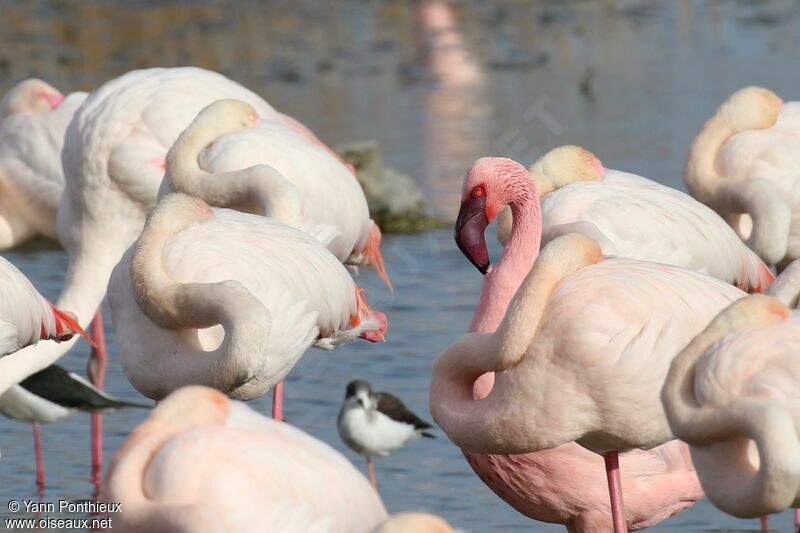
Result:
[72,391]
[392,407]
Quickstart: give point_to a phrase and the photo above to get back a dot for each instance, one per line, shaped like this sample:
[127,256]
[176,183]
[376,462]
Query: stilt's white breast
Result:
[374,433]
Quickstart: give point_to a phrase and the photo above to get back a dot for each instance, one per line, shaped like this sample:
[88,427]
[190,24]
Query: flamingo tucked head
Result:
[491,184]
[567,164]
[226,115]
[752,108]
[30,96]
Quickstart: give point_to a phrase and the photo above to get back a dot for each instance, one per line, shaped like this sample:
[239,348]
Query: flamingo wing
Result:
[622,321]
[631,216]
[23,311]
[128,124]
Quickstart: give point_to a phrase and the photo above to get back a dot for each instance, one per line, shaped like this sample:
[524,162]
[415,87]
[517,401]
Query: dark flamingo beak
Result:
[470,226]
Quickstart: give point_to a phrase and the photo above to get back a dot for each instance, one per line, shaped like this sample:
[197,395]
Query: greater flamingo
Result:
[113,158]
[745,164]
[376,423]
[202,462]
[632,216]
[229,300]
[216,159]
[26,318]
[660,483]
[732,394]
[31,176]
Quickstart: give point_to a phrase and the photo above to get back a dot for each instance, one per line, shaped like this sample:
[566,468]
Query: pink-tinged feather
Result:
[67,325]
[373,256]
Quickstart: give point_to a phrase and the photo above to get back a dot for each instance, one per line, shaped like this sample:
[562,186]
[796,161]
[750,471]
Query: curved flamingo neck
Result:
[258,189]
[519,254]
[174,305]
[737,486]
[786,287]
[770,213]
[500,285]
[490,425]
[701,173]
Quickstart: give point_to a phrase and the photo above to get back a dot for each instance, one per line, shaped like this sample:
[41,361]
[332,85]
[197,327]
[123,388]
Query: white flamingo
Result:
[733,395]
[632,216]
[218,150]
[113,159]
[31,176]
[228,300]
[745,164]
[202,462]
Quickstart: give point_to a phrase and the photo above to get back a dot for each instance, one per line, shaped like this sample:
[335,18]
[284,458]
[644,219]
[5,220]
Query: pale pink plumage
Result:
[745,164]
[331,197]
[112,158]
[771,155]
[657,483]
[276,290]
[734,394]
[113,164]
[201,462]
[632,216]
[31,176]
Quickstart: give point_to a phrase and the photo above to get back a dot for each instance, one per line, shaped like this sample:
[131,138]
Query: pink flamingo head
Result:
[490,184]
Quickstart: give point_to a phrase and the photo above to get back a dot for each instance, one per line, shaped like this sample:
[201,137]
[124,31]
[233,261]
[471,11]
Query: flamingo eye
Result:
[478,192]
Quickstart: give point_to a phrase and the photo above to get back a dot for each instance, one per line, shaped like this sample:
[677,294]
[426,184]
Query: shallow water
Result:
[438,85]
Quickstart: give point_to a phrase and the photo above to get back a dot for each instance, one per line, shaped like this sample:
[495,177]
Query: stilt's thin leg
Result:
[797,520]
[764,524]
[37,449]
[97,373]
[277,401]
[615,492]
[371,471]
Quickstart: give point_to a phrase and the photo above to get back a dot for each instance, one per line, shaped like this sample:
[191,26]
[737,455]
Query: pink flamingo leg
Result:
[764,524]
[797,520]
[277,401]
[37,447]
[371,471]
[96,370]
[615,491]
